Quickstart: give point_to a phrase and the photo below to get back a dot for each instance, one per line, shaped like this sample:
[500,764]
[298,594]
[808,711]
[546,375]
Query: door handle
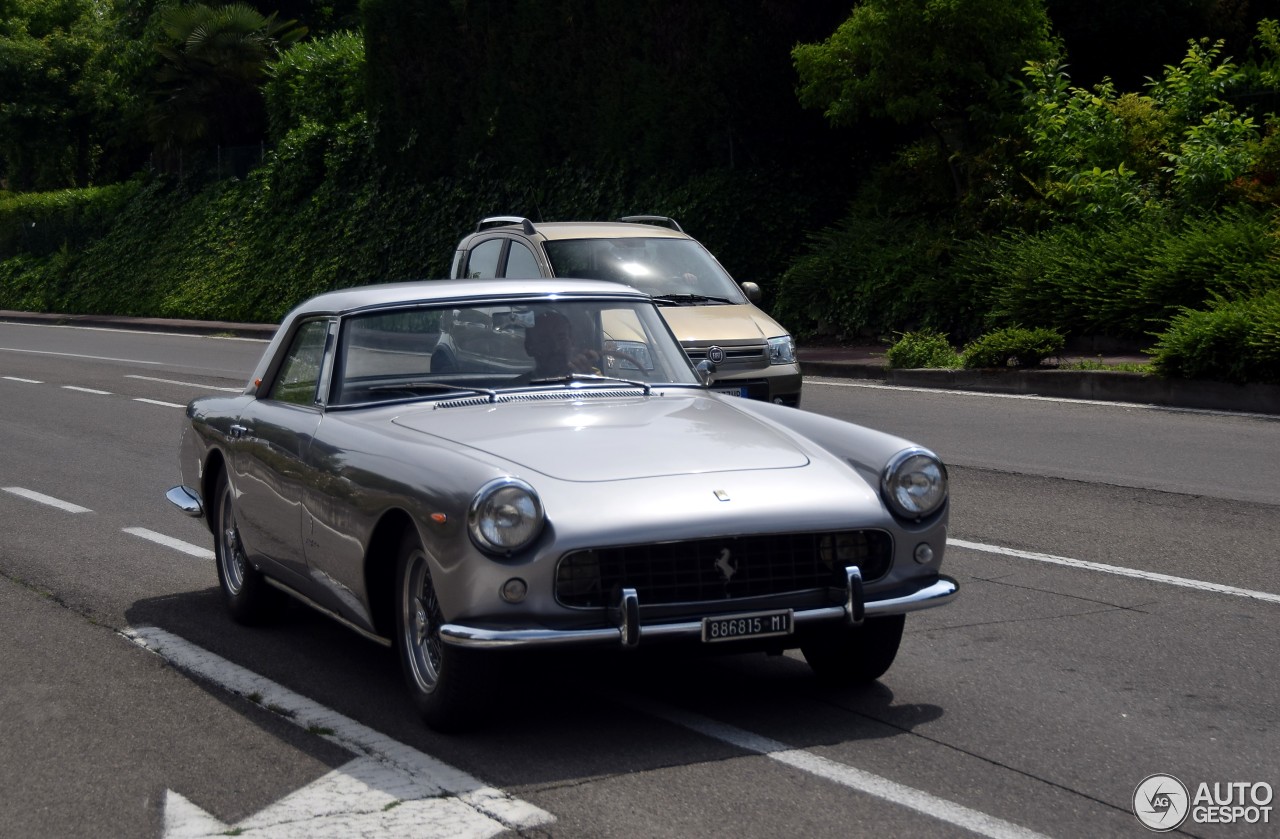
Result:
[238,431]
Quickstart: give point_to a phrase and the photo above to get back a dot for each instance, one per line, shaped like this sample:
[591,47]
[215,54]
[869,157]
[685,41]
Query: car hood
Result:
[703,326]
[613,439]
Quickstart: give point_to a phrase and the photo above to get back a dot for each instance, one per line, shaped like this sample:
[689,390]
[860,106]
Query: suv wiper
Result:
[687,299]
[569,378]
[492,394]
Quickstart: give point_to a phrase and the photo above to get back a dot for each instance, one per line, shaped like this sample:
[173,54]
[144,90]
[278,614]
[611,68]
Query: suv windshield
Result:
[676,268]
[489,346]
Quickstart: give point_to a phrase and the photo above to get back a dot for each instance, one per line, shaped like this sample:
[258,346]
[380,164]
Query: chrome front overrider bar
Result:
[628,632]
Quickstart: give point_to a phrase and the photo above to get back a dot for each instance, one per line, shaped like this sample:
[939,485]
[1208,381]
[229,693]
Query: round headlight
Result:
[505,516]
[914,483]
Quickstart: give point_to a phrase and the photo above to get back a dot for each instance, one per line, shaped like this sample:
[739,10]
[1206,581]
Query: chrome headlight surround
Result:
[782,350]
[505,516]
[914,484]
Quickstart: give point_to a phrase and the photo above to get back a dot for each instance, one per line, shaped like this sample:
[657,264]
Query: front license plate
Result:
[754,625]
[731,391]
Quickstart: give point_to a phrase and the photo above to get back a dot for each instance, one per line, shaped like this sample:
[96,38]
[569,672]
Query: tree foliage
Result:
[214,63]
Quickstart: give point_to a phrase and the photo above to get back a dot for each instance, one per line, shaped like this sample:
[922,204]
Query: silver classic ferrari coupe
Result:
[458,467]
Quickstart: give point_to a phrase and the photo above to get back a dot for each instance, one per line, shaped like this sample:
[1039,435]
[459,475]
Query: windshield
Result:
[484,347]
[659,267]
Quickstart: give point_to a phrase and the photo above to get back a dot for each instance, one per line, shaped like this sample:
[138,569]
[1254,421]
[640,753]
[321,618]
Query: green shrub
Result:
[321,82]
[42,223]
[1235,341]
[914,350]
[1023,347]
[874,275]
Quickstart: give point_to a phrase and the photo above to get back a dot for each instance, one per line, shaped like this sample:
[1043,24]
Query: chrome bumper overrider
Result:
[629,631]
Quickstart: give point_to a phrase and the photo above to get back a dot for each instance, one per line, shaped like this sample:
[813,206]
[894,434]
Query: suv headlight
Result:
[505,516]
[782,350]
[914,483]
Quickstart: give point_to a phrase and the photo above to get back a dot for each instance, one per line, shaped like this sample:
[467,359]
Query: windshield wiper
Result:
[687,299]
[570,378]
[492,394]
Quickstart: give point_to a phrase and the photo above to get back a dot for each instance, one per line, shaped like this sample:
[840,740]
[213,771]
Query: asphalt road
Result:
[1117,619]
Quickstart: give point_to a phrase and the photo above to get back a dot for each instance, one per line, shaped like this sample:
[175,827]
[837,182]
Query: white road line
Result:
[1032,398]
[24,381]
[1184,582]
[79,355]
[423,776]
[170,542]
[185,384]
[41,498]
[158,402]
[841,773]
[134,330]
[87,390]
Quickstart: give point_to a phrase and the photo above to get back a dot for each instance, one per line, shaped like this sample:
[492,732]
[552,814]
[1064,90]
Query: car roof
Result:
[438,291]
[553,230]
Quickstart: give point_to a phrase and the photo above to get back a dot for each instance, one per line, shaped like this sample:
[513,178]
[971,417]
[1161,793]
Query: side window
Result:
[483,262]
[521,264]
[300,372]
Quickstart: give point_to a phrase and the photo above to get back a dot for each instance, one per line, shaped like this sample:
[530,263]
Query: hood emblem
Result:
[726,568]
[715,355]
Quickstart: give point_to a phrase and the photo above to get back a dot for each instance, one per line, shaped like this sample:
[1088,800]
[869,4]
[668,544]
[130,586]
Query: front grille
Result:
[718,569]
[735,358]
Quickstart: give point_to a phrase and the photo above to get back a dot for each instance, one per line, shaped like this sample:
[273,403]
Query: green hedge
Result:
[42,223]
[323,213]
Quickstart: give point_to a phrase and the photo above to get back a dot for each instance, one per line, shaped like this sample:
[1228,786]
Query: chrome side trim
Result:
[329,613]
[926,596]
[185,500]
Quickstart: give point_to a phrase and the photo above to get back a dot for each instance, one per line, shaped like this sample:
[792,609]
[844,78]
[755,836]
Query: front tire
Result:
[448,685]
[249,598]
[855,655]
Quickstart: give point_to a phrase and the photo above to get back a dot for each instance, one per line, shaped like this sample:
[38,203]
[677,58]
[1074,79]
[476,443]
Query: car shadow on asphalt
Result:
[555,717]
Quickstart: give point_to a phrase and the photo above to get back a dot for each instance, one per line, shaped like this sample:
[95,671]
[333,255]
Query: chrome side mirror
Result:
[752,291]
[706,371]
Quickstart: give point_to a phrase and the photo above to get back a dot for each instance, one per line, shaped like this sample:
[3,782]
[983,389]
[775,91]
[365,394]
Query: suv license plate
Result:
[754,625]
[731,391]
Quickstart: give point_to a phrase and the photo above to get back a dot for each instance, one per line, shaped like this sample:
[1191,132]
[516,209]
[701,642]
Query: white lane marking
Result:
[367,789]
[49,500]
[185,384]
[158,402]
[841,773]
[1184,582]
[24,381]
[134,330]
[1146,406]
[170,542]
[78,355]
[87,390]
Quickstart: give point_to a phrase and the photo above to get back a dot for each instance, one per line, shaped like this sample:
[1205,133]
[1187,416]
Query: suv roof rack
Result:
[660,221]
[502,221]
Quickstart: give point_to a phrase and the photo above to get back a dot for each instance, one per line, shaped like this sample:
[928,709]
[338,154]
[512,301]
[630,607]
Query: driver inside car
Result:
[550,343]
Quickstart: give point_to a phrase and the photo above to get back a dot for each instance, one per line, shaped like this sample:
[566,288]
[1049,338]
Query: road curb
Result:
[1101,385]
[185,327]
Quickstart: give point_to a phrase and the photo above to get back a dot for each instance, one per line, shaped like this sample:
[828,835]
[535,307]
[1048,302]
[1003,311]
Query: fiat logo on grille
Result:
[715,355]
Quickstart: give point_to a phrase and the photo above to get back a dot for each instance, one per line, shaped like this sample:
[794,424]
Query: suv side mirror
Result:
[752,291]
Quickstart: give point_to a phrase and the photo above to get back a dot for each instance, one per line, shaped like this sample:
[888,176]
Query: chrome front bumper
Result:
[628,632]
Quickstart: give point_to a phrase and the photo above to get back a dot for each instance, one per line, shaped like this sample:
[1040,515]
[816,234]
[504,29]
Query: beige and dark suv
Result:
[714,318]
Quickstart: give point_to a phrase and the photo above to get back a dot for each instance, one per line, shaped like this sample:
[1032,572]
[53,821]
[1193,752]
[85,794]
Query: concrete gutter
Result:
[1102,385]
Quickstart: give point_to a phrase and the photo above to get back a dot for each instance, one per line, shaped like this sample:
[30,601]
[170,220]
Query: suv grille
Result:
[735,358]
[716,569]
